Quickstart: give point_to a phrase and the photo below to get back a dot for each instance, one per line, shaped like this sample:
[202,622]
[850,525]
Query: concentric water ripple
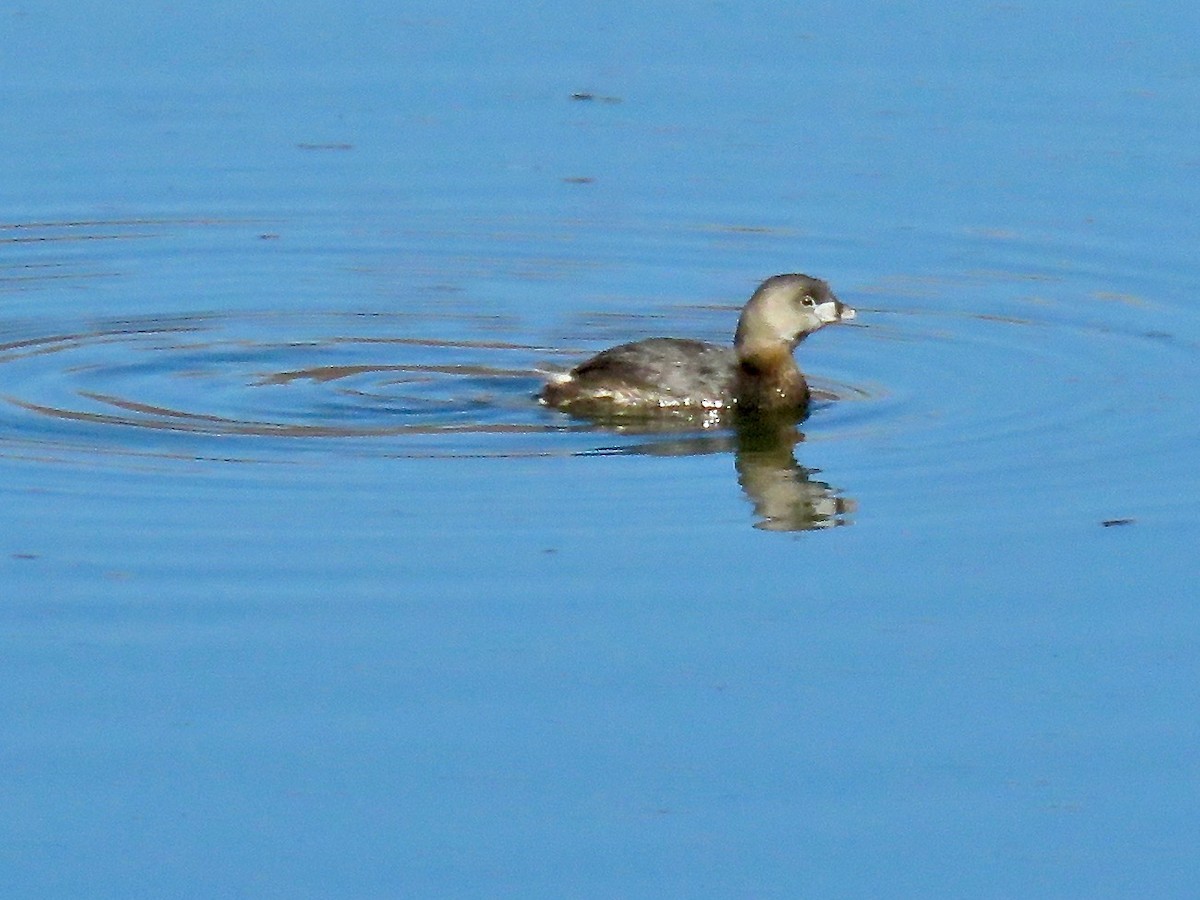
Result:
[1058,402]
[259,381]
[253,386]
[991,391]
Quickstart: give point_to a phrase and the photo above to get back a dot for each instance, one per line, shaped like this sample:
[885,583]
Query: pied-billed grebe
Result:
[673,374]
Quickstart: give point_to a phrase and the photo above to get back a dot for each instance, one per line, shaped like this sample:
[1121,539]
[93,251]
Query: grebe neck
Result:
[768,379]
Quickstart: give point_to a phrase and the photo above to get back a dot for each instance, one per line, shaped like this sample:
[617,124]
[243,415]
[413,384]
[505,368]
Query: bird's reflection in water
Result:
[785,495]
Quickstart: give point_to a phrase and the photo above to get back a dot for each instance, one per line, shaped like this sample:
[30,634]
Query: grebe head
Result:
[783,311]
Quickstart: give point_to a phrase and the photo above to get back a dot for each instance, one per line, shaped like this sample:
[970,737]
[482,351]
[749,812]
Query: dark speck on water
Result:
[587,97]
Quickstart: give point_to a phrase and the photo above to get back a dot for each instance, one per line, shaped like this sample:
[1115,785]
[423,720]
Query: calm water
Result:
[305,595]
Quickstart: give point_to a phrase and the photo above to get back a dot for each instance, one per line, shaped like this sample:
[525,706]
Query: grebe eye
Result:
[808,300]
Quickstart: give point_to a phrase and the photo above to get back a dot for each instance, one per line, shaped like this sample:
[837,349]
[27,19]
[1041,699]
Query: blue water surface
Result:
[304,595]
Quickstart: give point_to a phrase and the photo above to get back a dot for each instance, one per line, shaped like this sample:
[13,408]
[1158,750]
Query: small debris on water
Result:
[1109,523]
[588,97]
